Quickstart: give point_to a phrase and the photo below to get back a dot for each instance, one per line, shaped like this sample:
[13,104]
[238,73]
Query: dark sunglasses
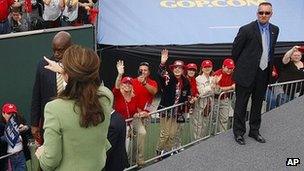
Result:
[262,12]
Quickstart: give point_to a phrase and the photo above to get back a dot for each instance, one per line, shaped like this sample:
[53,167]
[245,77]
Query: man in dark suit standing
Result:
[47,84]
[117,158]
[253,51]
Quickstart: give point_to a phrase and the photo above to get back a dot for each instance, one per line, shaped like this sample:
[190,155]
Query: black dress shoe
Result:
[240,139]
[258,138]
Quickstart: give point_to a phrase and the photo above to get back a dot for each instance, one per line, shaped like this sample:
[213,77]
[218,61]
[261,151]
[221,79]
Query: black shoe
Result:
[158,153]
[240,139]
[258,138]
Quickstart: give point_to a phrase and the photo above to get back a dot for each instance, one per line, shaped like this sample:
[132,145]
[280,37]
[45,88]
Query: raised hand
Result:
[295,48]
[120,67]
[53,66]
[164,56]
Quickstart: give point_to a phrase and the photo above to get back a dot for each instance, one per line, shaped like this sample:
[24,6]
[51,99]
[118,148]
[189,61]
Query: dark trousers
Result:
[52,24]
[5,27]
[257,91]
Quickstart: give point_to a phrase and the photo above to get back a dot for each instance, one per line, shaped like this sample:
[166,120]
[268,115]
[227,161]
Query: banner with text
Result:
[159,22]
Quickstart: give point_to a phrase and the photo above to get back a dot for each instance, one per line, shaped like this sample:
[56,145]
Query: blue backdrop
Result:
[161,22]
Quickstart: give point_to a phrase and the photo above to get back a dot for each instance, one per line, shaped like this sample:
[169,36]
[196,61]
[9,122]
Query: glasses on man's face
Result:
[264,12]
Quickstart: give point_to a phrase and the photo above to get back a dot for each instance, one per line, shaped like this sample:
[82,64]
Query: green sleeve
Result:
[52,153]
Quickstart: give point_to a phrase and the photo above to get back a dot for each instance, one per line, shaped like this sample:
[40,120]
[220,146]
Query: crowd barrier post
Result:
[224,112]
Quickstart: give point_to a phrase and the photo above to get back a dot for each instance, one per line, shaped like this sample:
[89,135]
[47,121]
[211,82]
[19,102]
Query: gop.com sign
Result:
[208,3]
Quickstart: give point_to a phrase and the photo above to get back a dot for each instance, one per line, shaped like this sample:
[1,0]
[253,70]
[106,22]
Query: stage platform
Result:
[283,129]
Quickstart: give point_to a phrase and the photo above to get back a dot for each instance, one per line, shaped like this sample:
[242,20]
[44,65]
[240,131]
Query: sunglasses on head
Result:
[144,64]
[263,12]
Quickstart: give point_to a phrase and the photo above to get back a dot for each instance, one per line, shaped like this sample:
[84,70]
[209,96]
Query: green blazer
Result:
[67,146]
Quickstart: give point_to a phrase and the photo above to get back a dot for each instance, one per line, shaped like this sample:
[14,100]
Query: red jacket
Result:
[4,9]
[193,86]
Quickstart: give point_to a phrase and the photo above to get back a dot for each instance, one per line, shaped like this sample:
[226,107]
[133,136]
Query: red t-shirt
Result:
[126,109]
[4,9]
[226,79]
[145,98]
[194,91]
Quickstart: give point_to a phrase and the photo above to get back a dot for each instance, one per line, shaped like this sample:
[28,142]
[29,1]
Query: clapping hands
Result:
[215,83]
[217,79]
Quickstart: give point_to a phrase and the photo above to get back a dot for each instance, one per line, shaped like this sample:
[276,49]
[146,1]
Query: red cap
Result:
[228,62]
[177,63]
[191,66]
[206,63]
[126,80]
[9,108]
[301,49]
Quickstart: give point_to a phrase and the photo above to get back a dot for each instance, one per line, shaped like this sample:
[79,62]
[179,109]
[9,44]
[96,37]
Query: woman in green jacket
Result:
[76,122]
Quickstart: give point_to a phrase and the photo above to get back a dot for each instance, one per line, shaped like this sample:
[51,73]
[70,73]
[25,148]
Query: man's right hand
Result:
[164,56]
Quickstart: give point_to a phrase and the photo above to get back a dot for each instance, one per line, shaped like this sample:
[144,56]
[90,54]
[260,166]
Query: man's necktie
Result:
[264,57]
[60,81]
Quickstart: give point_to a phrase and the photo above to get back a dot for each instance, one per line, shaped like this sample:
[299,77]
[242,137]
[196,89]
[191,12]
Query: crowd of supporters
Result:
[178,83]
[291,68]
[26,15]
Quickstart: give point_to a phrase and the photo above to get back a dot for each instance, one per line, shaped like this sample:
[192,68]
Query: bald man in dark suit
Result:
[45,86]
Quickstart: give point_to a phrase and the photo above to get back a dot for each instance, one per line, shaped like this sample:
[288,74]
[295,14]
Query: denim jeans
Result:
[18,162]
[5,27]
[271,99]
[275,100]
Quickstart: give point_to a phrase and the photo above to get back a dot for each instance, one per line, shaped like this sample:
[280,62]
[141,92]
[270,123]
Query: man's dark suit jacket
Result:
[117,158]
[247,51]
[3,148]
[44,89]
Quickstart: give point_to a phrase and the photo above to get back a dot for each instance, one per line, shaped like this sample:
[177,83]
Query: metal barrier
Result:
[224,111]
[168,131]
[142,132]
[280,93]
[201,118]
[190,123]
[7,155]
[210,115]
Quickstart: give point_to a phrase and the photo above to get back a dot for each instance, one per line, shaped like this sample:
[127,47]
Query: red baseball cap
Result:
[229,63]
[126,80]
[301,49]
[206,63]
[9,108]
[191,66]
[177,63]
